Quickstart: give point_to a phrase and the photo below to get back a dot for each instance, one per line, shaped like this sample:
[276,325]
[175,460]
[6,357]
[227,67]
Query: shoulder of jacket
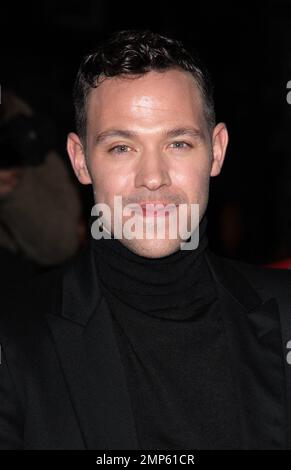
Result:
[23,307]
[265,281]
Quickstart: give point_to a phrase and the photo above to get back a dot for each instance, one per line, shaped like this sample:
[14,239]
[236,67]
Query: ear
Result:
[219,145]
[76,153]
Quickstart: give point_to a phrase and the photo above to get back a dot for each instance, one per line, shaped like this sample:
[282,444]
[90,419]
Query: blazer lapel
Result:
[89,356]
[253,334]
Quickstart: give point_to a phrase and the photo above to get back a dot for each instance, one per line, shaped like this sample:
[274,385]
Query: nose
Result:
[152,171]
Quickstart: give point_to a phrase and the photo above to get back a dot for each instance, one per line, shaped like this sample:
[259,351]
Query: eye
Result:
[119,149]
[180,145]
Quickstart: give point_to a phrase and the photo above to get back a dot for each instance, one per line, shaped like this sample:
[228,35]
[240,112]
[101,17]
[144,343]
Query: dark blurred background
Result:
[246,47]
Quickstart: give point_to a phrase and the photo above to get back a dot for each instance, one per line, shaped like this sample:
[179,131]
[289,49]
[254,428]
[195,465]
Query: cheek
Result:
[194,181]
[108,183]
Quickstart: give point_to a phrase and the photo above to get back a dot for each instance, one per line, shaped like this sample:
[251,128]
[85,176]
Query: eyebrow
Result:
[171,133]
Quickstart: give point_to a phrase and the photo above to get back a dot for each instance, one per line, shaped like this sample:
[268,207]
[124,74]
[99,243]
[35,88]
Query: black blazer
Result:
[62,384]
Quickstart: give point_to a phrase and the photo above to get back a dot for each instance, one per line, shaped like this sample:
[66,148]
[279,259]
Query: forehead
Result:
[170,97]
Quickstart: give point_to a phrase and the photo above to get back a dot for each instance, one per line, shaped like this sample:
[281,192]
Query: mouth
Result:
[157,209]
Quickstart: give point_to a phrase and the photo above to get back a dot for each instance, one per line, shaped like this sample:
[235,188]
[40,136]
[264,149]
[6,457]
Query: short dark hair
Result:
[136,53]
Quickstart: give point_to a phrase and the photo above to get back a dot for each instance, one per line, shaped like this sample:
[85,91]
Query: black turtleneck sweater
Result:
[171,339]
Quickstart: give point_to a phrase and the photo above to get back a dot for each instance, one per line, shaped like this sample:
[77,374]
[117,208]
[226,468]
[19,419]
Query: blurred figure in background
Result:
[40,211]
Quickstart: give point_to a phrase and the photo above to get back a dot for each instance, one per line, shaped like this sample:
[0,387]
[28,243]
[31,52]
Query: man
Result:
[142,343]
[32,226]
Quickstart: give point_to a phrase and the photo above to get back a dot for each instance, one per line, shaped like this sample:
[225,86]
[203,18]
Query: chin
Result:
[152,248]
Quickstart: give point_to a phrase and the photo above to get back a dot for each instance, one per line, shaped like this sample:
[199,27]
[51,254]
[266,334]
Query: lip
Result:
[151,210]
[155,203]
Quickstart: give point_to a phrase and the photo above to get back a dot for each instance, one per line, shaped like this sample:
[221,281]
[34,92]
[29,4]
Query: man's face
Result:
[147,141]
